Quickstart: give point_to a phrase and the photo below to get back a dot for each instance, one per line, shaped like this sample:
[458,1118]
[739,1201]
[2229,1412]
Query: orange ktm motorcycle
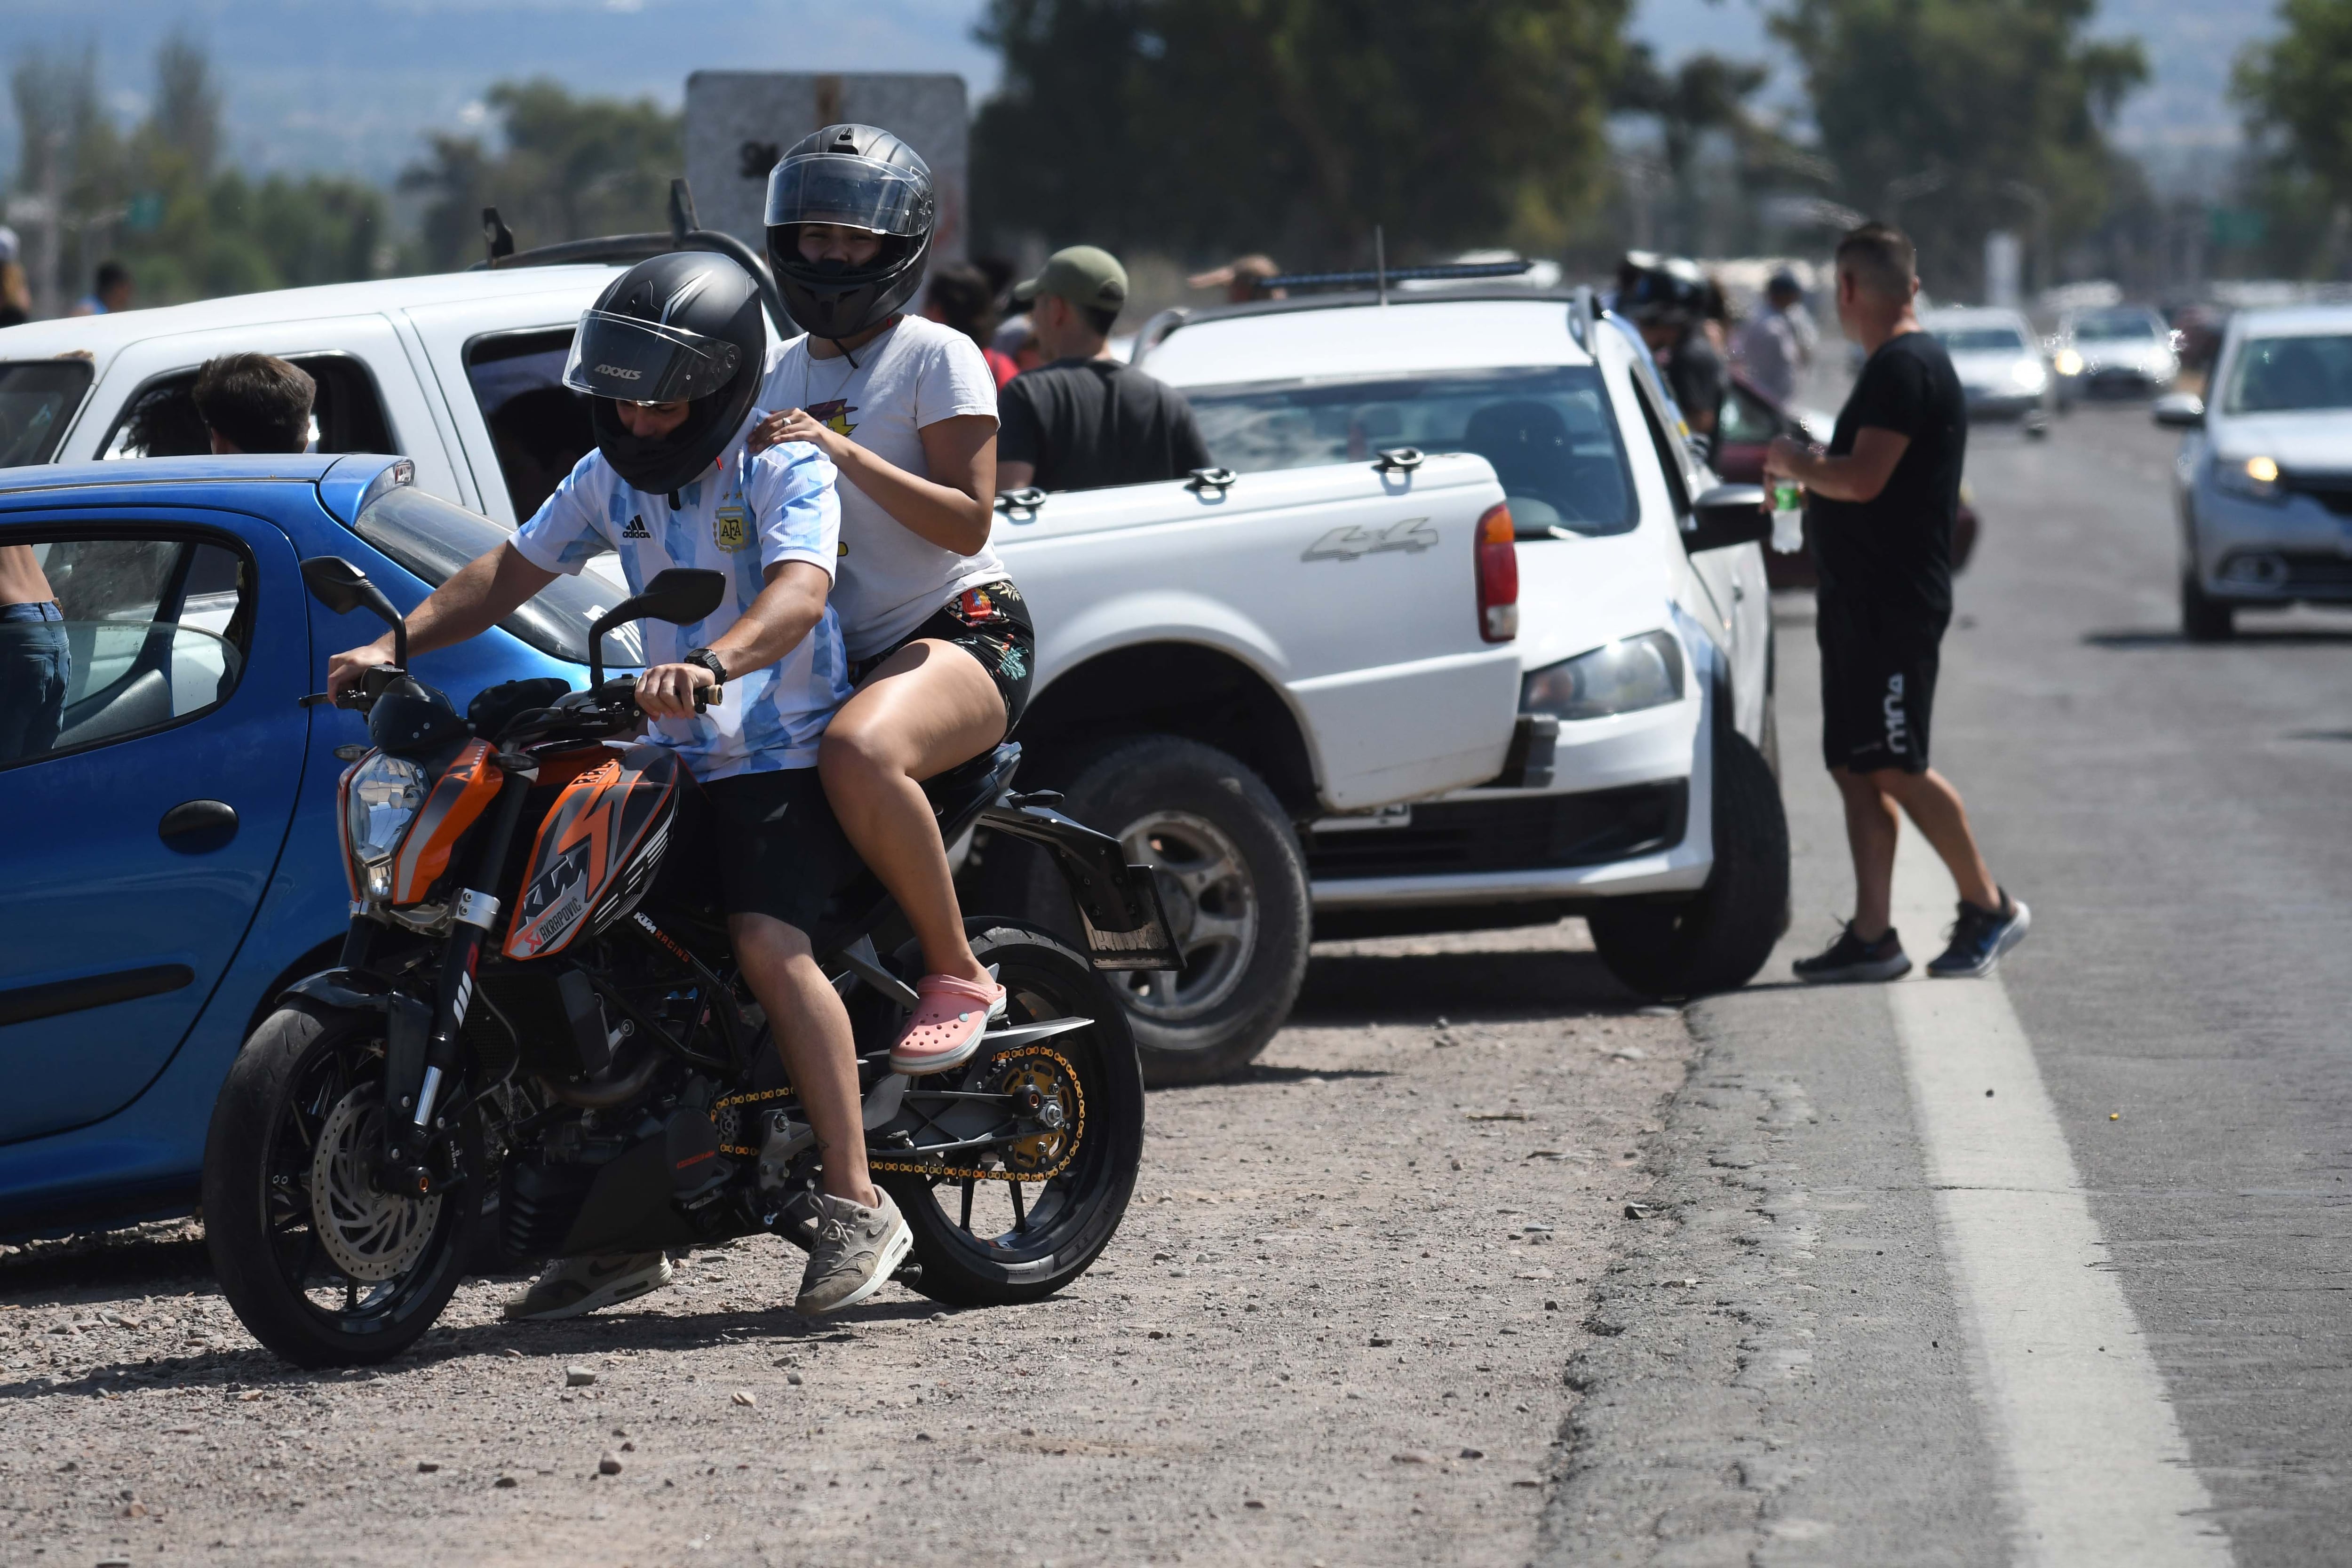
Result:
[538,1028]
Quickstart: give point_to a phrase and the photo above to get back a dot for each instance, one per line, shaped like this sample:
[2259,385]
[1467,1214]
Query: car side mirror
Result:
[1727,515]
[679,595]
[343,587]
[2178,411]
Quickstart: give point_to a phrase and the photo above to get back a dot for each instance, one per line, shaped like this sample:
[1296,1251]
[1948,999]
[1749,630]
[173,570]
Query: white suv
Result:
[1645,634]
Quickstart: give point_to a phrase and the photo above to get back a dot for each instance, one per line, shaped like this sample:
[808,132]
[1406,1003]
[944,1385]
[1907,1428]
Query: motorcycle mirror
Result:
[680,594]
[343,587]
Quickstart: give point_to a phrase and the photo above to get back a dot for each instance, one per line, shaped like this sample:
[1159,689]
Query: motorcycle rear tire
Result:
[245,1152]
[1044,979]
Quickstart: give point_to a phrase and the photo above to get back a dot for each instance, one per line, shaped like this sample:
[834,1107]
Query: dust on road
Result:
[1332,1330]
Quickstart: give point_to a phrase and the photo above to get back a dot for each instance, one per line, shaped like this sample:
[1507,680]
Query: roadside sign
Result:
[737,124]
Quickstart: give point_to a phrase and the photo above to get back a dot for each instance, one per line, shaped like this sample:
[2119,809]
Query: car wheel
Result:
[1233,876]
[2204,618]
[1718,941]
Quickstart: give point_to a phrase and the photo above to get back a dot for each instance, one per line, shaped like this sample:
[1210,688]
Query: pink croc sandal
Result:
[950,1016]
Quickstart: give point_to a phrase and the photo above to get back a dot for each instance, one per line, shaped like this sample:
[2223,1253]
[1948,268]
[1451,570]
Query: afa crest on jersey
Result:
[730,528]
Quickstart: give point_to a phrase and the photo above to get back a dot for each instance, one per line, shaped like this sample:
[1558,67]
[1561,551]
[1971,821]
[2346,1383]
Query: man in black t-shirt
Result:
[1085,420]
[1881,507]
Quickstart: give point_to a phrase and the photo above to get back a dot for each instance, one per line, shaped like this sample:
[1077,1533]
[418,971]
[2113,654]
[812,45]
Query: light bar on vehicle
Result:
[1446,272]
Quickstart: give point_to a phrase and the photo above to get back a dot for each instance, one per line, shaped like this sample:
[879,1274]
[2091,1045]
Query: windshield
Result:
[433,539]
[1549,432]
[2277,375]
[1981,340]
[37,398]
[2121,326]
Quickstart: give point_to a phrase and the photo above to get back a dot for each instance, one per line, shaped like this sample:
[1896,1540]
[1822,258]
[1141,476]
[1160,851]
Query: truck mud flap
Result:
[1118,904]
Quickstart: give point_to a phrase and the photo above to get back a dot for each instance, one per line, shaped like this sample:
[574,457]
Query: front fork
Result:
[422,1038]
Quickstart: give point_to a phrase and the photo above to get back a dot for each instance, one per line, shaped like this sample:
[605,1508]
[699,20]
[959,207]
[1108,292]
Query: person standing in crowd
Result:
[1771,348]
[15,293]
[959,296]
[110,291]
[35,661]
[1883,499]
[1242,279]
[1665,298]
[1086,419]
[255,402]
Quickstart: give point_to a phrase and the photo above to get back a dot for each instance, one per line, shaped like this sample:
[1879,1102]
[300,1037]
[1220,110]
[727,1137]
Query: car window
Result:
[1669,457]
[433,538]
[2122,326]
[37,399]
[1745,419]
[1980,340]
[538,426]
[136,635]
[2277,375]
[1547,431]
[161,421]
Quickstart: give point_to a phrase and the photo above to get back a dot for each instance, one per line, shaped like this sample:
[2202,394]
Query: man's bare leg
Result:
[1931,802]
[1871,828]
[812,1027]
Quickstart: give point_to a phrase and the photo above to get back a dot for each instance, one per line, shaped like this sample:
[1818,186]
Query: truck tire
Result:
[1233,877]
[1718,941]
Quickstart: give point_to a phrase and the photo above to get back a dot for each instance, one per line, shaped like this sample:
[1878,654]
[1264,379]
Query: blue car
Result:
[167,831]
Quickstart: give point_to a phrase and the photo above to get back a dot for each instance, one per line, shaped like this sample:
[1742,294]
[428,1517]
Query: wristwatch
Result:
[709,661]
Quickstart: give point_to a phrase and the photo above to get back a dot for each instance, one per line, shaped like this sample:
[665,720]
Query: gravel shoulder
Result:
[1332,1330]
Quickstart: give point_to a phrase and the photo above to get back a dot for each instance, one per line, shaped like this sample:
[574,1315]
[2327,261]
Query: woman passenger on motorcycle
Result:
[939,641]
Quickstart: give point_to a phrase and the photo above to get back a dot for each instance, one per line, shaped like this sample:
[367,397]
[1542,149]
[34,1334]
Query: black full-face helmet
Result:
[1660,290]
[685,325]
[858,176]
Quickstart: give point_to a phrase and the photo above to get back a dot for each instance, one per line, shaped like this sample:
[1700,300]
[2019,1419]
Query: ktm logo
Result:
[1412,533]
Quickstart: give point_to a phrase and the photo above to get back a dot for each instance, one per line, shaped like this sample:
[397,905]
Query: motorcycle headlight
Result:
[384,799]
[2256,479]
[1625,676]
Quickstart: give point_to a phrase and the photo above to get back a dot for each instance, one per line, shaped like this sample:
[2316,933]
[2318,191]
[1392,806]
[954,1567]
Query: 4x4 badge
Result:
[1346,543]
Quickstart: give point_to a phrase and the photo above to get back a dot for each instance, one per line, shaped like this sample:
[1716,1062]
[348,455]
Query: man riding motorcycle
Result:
[672,353]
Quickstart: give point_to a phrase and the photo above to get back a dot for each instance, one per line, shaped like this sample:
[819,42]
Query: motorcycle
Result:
[537,1027]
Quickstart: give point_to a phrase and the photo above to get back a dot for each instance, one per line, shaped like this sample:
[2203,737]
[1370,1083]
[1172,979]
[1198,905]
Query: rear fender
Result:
[1118,904]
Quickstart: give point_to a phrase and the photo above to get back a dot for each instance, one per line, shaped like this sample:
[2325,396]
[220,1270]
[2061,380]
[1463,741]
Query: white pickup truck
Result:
[1219,659]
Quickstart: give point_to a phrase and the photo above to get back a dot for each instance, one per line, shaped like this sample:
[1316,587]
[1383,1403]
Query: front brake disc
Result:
[369,1234]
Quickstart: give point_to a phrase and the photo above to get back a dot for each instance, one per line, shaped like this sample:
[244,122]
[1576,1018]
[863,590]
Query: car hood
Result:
[2125,355]
[2318,440]
[1991,369]
[1577,594]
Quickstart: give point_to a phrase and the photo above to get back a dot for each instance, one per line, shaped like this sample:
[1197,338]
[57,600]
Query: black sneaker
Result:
[1979,937]
[1850,959]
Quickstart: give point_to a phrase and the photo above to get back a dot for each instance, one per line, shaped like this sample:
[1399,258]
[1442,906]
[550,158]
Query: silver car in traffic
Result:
[2263,477]
[2118,351]
[1998,361]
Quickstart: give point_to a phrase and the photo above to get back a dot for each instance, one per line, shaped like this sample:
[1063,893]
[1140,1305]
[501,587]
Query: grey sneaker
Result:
[575,1285]
[856,1249]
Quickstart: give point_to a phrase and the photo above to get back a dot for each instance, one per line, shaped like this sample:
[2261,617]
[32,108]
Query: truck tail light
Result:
[1499,576]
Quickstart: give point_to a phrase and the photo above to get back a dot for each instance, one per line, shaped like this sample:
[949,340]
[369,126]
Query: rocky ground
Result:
[1333,1330]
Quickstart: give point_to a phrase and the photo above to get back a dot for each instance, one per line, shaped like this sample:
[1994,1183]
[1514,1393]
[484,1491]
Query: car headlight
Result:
[2028,374]
[1625,676]
[384,799]
[2256,479]
[2069,362]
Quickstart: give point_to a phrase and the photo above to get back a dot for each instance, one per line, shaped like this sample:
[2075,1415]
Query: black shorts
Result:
[1878,684]
[779,851]
[991,624]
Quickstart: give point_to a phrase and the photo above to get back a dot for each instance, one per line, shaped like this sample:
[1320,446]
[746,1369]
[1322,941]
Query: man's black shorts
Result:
[1878,684]
[779,850]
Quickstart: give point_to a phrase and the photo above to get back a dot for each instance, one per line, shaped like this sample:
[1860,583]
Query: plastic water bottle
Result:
[1788,516]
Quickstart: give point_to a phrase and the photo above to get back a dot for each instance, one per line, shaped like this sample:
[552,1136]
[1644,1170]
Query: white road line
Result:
[2098,1471]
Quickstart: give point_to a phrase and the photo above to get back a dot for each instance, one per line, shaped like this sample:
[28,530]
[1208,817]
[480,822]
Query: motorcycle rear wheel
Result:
[997,1241]
[321,1269]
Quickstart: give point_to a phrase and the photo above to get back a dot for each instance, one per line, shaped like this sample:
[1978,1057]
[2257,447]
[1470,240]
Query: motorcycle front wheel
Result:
[321,1267]
[1023,1223]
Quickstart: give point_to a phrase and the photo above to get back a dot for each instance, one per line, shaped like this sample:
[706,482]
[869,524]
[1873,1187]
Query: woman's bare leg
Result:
[928,707]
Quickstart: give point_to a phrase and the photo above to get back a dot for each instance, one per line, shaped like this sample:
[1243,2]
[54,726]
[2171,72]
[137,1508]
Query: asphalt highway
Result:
[1853,1378]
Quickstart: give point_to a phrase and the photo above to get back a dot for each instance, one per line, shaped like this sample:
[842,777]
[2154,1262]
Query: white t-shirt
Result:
[917,374]
[740,518]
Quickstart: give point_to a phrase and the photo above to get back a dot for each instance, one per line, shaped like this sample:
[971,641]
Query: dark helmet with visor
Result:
[1660,290]
[685,327]
[857,176]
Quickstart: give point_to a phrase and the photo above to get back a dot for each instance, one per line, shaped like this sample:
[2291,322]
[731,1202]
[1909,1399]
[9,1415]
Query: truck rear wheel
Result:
[1232,876]
[1718,941]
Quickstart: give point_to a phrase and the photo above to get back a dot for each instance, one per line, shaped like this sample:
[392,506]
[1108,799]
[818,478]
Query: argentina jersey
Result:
[745,514]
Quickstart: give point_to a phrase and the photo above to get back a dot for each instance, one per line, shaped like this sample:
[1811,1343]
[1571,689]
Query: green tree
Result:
[1296,125]
[572,168]
[1953,118]
[2295,91]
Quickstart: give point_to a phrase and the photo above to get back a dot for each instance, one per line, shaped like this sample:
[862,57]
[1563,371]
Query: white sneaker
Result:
[575,1285]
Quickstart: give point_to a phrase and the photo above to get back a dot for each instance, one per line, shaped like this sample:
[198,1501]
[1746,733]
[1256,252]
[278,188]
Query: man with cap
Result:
[1774,345]
[1084,420]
